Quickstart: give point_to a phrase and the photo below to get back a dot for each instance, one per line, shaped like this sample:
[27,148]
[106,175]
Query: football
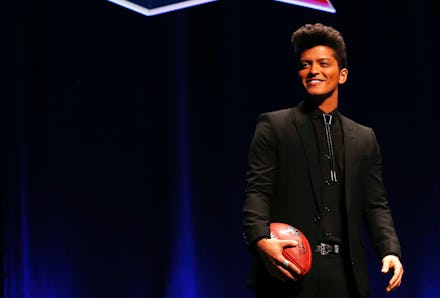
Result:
[300,255]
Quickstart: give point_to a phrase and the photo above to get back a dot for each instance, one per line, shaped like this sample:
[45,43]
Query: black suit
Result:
[283,184]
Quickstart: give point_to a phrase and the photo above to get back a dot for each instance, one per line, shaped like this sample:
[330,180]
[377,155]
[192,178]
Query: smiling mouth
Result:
[314,82]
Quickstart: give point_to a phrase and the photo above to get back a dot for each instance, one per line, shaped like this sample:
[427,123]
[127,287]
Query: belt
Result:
[325,248]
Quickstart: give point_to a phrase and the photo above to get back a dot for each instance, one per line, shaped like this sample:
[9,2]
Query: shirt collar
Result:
[317,113]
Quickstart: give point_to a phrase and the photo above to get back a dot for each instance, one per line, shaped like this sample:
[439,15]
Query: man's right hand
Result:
[271,254]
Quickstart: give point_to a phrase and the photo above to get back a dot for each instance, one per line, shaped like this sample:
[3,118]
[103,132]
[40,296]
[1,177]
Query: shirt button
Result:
[327,182]
[317,219]
[328,234]
[327,156]
[326,208]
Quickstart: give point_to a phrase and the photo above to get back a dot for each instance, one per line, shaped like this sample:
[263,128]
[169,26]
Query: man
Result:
[313,168]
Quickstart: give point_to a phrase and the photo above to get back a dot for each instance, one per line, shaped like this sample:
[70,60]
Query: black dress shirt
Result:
[332,200]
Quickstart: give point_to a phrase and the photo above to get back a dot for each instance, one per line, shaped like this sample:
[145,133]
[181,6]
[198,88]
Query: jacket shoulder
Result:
[279,116]
[278,113]
[356,125]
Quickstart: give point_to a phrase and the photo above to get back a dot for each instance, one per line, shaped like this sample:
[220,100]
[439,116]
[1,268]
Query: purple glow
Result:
[315,4]
[159,10]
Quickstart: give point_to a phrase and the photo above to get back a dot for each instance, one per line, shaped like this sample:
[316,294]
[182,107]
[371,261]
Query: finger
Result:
[294,268]
[396,280]
[286,274]
[290,268]
[398,271]
[396,276]
[284,268]
[278,273]
[285,264]
[275,272]
[288,243]
[392,284]
[393,287]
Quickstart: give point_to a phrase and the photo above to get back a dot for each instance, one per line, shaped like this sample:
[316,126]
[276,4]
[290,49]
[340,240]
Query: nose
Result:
[314,68]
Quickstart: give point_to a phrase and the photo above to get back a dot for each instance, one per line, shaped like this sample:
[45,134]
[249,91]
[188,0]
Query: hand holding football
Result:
[300,255]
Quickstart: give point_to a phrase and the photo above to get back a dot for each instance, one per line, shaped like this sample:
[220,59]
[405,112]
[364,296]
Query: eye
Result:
[304,64]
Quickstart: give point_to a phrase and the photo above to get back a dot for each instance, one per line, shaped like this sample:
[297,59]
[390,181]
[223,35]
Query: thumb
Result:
[385,266]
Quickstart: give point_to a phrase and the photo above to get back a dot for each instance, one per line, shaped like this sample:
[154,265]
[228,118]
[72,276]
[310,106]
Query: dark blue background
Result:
[125,138]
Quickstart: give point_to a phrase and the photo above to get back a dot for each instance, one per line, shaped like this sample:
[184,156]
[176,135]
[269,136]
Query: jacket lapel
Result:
[350,143]
[305,130]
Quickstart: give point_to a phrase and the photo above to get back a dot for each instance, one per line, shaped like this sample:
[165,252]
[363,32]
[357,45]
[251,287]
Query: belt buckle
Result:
[323,249]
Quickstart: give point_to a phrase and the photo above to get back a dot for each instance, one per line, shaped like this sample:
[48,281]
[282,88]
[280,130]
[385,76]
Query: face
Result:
[319,72]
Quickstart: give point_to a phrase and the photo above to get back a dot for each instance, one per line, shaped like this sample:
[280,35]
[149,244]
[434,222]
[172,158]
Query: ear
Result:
[343,74]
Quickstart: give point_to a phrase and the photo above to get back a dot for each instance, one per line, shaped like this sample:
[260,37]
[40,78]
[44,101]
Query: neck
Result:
[329,104]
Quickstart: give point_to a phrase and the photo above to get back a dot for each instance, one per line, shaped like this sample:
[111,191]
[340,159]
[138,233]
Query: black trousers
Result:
[330,277]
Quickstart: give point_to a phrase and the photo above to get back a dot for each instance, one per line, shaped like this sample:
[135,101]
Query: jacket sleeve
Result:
[377,214]
[260,178]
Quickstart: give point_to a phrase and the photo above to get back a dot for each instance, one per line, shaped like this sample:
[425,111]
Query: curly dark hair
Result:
[311,35]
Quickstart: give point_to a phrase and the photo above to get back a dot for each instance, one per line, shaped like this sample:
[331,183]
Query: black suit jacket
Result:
[283,184]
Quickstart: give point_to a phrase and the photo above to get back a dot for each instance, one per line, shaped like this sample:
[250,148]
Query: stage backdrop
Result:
[125,138]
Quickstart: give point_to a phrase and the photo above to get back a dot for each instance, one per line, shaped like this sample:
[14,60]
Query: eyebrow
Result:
[319,60]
